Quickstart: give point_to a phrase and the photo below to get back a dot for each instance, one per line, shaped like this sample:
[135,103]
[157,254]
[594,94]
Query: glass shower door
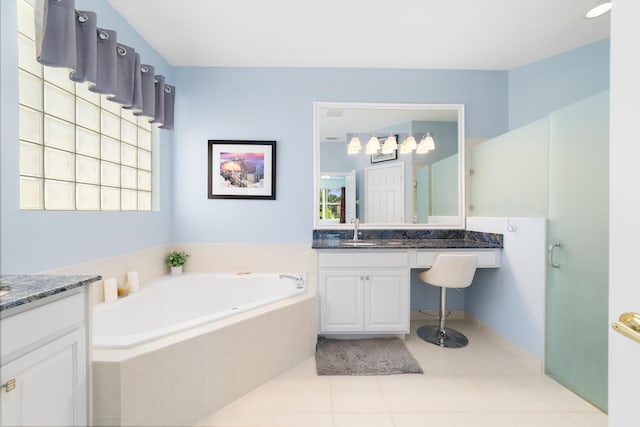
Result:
[577,270]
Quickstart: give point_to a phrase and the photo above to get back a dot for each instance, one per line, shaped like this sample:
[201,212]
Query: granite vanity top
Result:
[23,289]
[406,239]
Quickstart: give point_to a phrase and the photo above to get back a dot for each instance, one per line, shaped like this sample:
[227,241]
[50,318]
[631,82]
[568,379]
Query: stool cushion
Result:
[451,271]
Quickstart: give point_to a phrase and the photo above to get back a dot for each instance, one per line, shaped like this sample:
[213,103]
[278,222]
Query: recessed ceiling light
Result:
[599,9]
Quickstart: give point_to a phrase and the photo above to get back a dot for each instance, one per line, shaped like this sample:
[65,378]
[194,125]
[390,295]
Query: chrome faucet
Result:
[356,223]
[299,279]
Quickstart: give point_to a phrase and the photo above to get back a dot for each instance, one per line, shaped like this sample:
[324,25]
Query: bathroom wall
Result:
[511,299]
[552,83]
[277,104]
[33,241]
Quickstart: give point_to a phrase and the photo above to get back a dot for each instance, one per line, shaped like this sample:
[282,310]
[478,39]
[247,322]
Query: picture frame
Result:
[378,157]
[241,169]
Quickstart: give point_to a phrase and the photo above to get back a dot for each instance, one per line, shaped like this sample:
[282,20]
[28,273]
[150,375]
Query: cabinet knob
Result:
[9,385]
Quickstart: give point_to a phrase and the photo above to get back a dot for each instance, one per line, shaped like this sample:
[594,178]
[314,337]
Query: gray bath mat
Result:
[372,356]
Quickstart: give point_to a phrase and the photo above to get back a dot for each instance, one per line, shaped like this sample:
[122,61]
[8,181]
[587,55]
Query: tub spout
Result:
[299,279]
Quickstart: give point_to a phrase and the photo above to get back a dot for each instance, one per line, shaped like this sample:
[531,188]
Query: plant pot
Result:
[176,270]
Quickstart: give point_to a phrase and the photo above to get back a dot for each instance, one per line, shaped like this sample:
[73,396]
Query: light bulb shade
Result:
[389,145]
[373,145]
[354,145]
[428,141]
[422,148]
[410,142]
[405,148]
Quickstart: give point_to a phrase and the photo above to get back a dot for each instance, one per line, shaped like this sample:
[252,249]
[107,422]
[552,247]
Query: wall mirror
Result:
[388,165]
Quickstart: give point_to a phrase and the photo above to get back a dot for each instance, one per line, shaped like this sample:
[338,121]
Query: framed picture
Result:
[242,169]
[379,157]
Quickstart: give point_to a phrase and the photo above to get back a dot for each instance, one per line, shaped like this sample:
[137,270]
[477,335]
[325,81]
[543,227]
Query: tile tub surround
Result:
[181,379]
[149,263]
[31,288]
[409,239]
[205,257]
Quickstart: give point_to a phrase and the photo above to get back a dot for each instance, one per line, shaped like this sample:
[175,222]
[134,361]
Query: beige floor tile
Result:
[370,419]
[304,420]
[423,420]
[224,419]
[483,384]
[595,419]
[357,394]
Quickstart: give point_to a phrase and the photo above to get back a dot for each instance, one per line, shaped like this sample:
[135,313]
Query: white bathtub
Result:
[175,303]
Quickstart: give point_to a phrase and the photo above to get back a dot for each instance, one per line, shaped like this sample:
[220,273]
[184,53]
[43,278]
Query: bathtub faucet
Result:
[299,279]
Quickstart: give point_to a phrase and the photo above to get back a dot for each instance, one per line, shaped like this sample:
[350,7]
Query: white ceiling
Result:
[429,34]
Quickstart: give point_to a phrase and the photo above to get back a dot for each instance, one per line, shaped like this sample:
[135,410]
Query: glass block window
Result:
[78,151]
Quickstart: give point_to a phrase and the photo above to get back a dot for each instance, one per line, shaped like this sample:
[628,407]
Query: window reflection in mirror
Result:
[337,198]
[357,176]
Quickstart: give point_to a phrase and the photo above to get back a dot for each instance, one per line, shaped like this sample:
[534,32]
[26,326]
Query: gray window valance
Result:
[70,38]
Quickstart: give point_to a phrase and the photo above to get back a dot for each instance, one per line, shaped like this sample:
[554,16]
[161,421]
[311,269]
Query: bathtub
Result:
[175,303]
[183,347]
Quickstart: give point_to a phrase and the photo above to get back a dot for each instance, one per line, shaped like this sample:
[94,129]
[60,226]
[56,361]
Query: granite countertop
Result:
[23,289]
[406,239]
[402,244]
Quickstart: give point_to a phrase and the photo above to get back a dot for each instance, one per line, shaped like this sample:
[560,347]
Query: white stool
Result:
[448,271]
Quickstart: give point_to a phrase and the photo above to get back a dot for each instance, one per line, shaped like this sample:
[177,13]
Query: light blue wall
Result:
[36,241]
[537,89]
[277,104]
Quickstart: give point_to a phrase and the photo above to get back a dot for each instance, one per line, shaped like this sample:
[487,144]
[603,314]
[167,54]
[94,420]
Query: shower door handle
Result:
[550,255]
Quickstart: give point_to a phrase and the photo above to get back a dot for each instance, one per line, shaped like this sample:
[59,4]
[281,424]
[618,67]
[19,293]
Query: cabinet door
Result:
[341,301]
[49,385]
[387,301]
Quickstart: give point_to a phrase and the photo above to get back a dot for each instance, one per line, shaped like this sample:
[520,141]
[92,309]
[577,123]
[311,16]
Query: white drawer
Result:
[487,258]
[30,326]
[349,258]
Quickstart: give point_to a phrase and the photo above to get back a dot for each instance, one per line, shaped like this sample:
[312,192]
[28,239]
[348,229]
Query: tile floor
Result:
[479,385]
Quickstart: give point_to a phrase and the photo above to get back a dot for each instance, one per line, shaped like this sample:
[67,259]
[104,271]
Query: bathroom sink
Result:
[358,243]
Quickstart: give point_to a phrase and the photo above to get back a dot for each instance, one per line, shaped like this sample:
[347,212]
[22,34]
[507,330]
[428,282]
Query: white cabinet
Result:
[363,293]
[44,365]
[341,301]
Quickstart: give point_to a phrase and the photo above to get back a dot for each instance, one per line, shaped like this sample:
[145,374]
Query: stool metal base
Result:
[445,337]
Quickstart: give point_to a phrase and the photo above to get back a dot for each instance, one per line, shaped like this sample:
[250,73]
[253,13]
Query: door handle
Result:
[550,255]
[9,385]
[628,324]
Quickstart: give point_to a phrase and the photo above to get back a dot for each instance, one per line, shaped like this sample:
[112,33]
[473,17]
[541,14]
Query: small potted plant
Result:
[176,260]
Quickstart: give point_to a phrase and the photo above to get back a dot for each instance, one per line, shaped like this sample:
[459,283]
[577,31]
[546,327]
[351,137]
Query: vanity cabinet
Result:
[45,363]
[364,293]
[367,291]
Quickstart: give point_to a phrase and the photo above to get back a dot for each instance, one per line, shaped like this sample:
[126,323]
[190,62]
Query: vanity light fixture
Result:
[411,142]
[599,9]
[389,145]
[373,145]
[405,148]
[408,145]
[426,144]
[354,145]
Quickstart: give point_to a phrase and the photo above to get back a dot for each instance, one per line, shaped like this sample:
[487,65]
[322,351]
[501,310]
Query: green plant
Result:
[176,259]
